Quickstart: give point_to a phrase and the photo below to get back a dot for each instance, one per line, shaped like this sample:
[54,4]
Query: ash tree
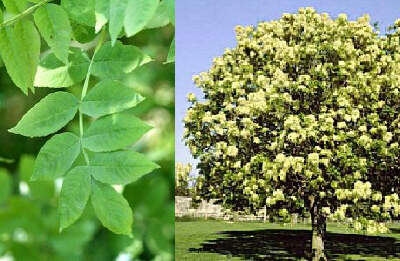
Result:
[303,116]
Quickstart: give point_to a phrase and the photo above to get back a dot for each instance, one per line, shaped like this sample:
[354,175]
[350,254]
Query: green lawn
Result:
[220,240]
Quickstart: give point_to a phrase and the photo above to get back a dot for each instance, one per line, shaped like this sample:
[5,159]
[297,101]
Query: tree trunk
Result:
[265,213]
[318,234]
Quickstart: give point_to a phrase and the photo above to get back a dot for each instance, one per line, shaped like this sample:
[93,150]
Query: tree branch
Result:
[23,14]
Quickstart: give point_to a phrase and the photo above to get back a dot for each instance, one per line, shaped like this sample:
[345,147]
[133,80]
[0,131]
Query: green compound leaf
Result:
[74,195]
[81,11]
[48,116]
[160,17]
[53,73]
[56,156]
[82,33]
[171,10]
[102,13]
[171,53]
[5,185]
[117,15]
[114,132]
[109,97]
[111,208]
[20,50]
[112,11]
[138,14]
[120,167]
[53,24]
[112,62]
[15,6]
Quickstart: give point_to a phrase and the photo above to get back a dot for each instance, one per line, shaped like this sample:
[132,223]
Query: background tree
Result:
[303,116]
[182,180]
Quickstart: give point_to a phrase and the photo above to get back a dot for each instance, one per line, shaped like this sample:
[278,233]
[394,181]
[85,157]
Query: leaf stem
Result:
[23,14]
[84,91]
[81,132]
[86,83]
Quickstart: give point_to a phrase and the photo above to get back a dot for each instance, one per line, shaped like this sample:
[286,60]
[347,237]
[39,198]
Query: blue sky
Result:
[204,28]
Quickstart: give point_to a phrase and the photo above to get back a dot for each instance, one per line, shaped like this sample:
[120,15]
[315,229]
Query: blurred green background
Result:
[28,210]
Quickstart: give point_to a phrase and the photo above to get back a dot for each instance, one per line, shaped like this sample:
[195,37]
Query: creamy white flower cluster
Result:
[182,172]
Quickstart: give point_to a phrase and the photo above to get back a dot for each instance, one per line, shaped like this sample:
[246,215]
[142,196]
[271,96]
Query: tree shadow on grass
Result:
[395,230]
[281,244]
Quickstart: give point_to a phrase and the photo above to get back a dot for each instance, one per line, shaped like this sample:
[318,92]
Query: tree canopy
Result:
[303,116]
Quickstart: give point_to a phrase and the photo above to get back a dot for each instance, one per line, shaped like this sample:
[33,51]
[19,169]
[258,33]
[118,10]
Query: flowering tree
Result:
[303,116]
[182,172]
